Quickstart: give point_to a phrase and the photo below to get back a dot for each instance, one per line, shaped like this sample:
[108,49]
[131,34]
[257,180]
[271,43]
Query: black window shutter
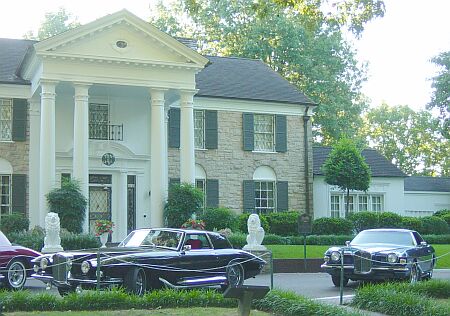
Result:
[211,129]
[19,193]
[174,128]
[249,196]
[212,192]
[282,196]
[281,133]
[248,131]
[19,124]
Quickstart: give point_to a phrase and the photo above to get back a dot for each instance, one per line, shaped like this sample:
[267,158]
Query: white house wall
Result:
[424,203]
[390,188]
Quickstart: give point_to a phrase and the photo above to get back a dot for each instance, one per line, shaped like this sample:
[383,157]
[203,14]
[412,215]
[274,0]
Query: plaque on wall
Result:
[108,159]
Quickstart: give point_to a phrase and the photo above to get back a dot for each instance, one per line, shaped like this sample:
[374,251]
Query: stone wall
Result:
[231,164]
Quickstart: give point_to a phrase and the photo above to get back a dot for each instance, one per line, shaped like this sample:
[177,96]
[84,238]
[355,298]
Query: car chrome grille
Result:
[59,269]
[363,263]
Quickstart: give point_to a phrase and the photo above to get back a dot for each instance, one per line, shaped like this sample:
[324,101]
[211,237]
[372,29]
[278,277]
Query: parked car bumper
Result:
[375,273]
[48,279]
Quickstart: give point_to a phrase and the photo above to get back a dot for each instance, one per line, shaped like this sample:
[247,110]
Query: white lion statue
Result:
[255,233]
[52,240]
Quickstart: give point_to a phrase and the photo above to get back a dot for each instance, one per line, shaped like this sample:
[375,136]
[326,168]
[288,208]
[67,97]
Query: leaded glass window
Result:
[265,196]
[199,129]
[201,185]
[6,111]
[264,131]
[98,121]
[5,194]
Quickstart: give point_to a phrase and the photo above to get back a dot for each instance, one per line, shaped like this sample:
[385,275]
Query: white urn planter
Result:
[104,239]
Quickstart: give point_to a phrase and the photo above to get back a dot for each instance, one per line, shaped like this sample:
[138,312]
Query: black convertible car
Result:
[379,254]
[149,258]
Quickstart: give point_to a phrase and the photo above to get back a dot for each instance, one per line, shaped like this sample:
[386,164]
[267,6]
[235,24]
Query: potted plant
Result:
[102,229]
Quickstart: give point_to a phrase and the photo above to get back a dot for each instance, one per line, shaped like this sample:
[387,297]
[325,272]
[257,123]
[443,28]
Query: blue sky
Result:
[398,47]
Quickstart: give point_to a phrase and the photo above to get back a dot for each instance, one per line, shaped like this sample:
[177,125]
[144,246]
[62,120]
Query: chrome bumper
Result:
[352,267]
[51,280]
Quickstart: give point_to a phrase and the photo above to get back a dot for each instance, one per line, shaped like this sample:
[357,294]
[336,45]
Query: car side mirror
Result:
[423,243]
[187,247]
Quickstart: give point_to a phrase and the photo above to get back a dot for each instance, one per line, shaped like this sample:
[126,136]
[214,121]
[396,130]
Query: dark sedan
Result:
[150,258]
[15,263]
[380,254]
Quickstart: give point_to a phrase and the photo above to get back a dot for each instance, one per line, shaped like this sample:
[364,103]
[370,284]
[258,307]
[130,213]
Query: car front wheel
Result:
[336,279]
[135,281]
[414,276]
[235,274]
[17,275]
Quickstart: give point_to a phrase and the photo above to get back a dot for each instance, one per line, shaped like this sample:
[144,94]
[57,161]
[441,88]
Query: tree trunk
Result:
[347,204]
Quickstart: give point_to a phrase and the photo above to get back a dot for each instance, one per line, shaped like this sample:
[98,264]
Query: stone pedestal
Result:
[266,255]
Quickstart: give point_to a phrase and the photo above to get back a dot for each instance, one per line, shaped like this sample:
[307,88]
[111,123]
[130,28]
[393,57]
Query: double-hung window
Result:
[377,203]
[265,197]
[264,132]
[199,129]
[6,112]
[5,194]
[363,203]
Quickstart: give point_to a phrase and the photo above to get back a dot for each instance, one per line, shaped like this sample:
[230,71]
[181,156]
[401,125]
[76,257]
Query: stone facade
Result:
[17,154]
[230,164]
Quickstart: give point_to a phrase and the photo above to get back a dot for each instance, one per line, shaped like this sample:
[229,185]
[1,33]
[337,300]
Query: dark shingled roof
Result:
[224,77]
[378,164]
[242,78]
[12,52]
[433,184]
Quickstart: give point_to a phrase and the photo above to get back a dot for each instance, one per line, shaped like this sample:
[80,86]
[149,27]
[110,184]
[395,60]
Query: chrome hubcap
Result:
[140,283]
[16,274]
[234,275]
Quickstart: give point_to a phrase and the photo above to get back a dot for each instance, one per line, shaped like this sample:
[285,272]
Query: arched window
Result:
[5,187]
[264,179]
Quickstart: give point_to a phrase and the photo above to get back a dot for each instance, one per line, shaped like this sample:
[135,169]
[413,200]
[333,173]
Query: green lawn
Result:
[197,311]
[296,252]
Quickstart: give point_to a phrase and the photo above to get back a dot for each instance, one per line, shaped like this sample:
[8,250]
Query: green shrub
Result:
[14,222]
[442,212]
[71,241]
[413,223]
[283,223]
[434,225]
[70,204]
[184,200]
[238,240]
[272,239]
[337,240]
[242,222]
[437,239]
[363,220]
[33,238]
[332,226]
[219,218]
[389,220]
[446,217]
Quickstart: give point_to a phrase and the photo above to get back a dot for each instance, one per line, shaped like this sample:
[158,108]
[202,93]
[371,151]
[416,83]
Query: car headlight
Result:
[392,258]
[326,258]
[335,256]
[36,268]
[44,263]
[85,267]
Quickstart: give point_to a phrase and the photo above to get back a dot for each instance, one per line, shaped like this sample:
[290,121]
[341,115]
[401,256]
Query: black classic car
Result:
[150,258]
[15,263]
[380,254]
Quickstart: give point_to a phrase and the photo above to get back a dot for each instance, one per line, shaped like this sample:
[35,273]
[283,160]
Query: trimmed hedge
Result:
[332,226]
[276,302]
[15,222]
[283,223]
[219,218]
[434,225]
[34,239]
[403,298]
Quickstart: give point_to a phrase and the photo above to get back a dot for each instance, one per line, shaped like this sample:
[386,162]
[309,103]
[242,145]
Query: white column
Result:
[46,146]
[35,113]
[187,151]
[120,231]
[166,151]
[158,158]
[81,143]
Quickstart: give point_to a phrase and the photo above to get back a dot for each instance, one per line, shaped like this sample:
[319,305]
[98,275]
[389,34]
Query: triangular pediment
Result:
[123,37]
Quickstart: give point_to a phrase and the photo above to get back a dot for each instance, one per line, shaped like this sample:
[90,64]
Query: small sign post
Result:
[304,228]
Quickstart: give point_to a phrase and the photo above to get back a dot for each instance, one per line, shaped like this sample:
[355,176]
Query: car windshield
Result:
[383,237]
[152,238]
[3,240]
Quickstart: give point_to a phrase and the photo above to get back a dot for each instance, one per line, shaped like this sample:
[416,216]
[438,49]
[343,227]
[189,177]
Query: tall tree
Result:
[53,24]
[311,54]
[411,140]
[440,97]
[346,168]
